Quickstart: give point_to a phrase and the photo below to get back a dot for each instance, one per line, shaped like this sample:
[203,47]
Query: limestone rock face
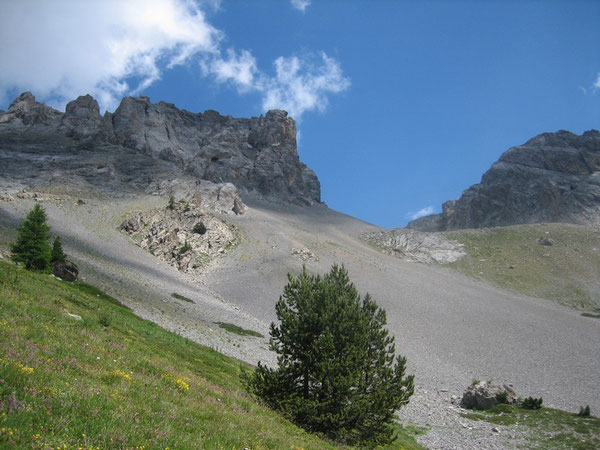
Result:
[142,145]
[416,246]
[176,236]
[554,177]
[25,110]
[220,197]
[82,117]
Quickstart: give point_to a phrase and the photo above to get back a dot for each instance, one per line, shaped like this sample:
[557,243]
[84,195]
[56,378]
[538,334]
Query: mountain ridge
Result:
[258,155]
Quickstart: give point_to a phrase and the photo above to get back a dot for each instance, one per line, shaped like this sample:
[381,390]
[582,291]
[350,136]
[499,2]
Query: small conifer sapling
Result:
[32,248]
[58,255]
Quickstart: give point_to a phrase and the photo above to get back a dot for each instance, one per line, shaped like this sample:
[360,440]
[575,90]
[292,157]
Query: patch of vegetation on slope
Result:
[511,257]
[550,428]
[78,370]
[238,330]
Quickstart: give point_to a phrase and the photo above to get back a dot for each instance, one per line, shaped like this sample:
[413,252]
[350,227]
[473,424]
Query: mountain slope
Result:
[451,328]
[91,177]
[94,375]
[513,258]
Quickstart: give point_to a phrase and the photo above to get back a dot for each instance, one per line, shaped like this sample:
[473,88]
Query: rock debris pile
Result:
[183,234]
[416,246]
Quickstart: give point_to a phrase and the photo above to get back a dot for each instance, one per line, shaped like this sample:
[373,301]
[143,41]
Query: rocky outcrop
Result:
[222,198]
[142,145]
[24,110]
[554,177]
[415,246]
[184,235]
[486,395]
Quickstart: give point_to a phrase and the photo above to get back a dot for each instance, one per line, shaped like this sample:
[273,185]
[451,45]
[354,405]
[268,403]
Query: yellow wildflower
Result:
[120,373]
[182,385]
[24,369]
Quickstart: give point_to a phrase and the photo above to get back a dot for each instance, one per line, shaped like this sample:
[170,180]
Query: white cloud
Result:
[61,49]
[300,5]
[421,213]
[64,48]
[597,83]
[299,85]
[240,69]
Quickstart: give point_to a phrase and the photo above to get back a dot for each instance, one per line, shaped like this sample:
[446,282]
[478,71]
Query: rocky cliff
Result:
[554,177]
[149,146]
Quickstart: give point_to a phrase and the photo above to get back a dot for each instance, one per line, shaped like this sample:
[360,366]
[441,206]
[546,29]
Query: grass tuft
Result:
[592,315]
[182,298]
[238,330]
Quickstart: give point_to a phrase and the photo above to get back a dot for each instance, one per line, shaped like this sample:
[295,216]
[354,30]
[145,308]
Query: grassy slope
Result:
[551,428]
[113,380]
[566,272]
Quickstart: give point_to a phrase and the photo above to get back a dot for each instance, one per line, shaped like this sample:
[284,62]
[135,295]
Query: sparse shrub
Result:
[58,255]
[32,248]
[532,403]
[502,397]
[336,373]
[186,207]
[185,248]
[199,228]
[584,412]
[104,321]
[475,382]
[171,202]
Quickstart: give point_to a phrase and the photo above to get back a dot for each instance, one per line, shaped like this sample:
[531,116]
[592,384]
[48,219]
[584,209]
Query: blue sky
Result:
[400,105]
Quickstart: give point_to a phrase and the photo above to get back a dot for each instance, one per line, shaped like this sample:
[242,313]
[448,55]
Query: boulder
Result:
[486,395]
[65,270]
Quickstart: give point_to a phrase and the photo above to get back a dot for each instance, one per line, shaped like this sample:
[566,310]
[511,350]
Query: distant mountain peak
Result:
[553,177]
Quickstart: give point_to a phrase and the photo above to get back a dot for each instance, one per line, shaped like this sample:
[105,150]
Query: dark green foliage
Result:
[185,248]
[182,297]
[186,207]
[171,202]
[57,255]
[584,412]
[502,397]
[32,248]
[337,373]
[238,330]
[532,403]
[199,228]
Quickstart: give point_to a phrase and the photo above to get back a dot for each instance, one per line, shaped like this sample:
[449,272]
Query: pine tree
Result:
[32,248]
[336,373]
[58,255]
